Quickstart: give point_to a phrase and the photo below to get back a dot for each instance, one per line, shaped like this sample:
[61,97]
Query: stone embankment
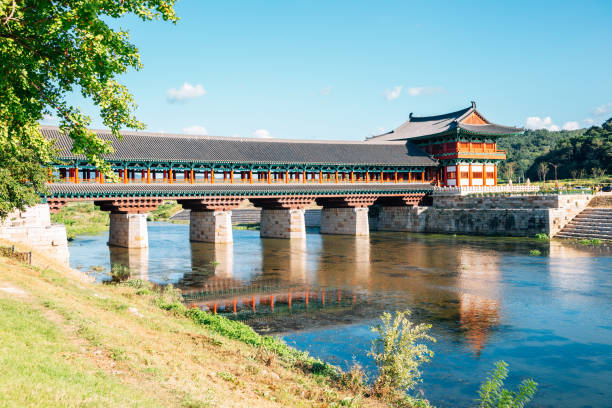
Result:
[516,215]
[33,227]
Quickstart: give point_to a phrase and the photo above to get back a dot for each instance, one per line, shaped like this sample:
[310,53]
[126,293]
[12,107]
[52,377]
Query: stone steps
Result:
[589,224]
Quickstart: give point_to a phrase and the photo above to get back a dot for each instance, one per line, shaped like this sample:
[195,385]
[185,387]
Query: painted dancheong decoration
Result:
[463,142]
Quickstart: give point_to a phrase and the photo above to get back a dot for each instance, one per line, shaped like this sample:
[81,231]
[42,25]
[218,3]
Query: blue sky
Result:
[348,69]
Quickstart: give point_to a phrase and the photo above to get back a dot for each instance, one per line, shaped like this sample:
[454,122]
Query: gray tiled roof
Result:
[247,190]
[417,127]
[164,147]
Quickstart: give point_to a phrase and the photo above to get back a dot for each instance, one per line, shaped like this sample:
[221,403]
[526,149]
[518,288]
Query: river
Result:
[547,316]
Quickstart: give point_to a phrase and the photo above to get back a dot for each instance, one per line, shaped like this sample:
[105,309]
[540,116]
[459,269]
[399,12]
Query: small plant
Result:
[493,395]
[354,379]
[119,273]
[398,353]
[535,252]
[542,237]
[594,241]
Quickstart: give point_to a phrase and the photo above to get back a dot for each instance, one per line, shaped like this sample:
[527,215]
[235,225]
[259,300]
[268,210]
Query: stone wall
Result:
[286,223]
[509,216]
[211,226]
[128,231]
[345,221]
[33,227]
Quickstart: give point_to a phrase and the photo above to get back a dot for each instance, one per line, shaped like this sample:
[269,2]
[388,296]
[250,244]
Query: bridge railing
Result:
[465,190]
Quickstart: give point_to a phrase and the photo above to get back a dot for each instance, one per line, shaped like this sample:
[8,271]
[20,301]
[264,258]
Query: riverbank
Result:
[120,345]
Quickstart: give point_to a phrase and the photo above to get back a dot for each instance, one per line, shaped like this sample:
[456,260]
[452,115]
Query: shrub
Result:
[542,237]
[493,395]
[119,273]
[535,252]
[398,354]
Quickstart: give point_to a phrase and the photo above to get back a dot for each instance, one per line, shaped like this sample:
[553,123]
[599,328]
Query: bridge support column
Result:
[128,230]
[346,215]
[283,217]
[210,219]
[283,223]
[210,226]
[345,221]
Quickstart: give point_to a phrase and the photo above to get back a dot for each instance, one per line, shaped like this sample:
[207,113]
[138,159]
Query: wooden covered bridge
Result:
[213,175]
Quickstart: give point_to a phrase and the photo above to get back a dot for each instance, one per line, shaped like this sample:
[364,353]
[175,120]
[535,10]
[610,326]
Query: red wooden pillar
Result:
[232,176]
[170,176]
[382,177]
[320,177]
[470,172]
[250,176]
[304,176]
[495,175]
[212,176]
[269,177]
[336,177]
[165,176]
[423,176]
[148,176]
[395,176]
[125,175]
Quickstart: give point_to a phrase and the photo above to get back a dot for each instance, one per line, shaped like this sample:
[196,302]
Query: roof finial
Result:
[473,105]
[410,116]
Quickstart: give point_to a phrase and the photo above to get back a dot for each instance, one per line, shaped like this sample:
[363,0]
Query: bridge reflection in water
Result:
[340,280]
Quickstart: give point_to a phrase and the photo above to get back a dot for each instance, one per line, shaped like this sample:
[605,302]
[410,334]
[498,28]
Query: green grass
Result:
[39,366]
[593,242]
[254,226]
[82,219]
[535,252]
[165,211]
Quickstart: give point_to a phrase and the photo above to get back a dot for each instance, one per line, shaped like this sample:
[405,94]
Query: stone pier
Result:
[210,226]
[283,217]
[128,230]
[210,219]
[285,223]
[346,215]
[345,221]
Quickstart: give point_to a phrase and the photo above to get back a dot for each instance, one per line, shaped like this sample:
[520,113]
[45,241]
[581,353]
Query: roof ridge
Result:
[240,139]
[463,112]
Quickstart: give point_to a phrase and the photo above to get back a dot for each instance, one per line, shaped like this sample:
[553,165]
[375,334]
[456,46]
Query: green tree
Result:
[49,49]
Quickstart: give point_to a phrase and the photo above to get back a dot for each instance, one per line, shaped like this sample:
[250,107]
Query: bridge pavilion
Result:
[213,175]
[464,143]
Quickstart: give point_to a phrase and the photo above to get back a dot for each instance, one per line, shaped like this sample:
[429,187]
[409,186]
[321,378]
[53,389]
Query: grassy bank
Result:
[69,342]
[82,219]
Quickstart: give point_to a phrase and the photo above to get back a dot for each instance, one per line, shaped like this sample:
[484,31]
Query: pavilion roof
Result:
[140,146]
[424,126]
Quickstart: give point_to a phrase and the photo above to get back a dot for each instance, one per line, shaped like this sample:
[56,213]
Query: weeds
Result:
[398,353]
[542,237]
[535,252]
[593,242]
[493,395]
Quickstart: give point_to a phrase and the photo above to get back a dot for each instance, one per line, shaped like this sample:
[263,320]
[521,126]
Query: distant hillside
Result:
[577,153]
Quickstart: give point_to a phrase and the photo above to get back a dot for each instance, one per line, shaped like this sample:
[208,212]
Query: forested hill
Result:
[577,153]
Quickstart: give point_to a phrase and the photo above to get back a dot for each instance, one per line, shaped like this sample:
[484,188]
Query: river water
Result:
[549,316]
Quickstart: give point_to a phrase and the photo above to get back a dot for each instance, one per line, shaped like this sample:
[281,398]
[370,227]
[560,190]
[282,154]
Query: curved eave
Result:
[488,134]
[286,164]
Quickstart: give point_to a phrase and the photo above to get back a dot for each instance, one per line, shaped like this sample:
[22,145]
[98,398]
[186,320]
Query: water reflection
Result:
[135,259]
[487,300]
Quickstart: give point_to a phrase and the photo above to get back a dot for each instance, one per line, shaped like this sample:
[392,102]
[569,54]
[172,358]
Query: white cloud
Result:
[195,130]
[573,125]
[425,90]
[536,122]
[185,93]
[49,119]
[262,133]
[603,109]
[588,121]
[326,91]
[394,93]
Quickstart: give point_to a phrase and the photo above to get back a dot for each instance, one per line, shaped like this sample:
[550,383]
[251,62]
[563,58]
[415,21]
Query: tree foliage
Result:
[48,49]
[577,153]
[398,352]
[493,395]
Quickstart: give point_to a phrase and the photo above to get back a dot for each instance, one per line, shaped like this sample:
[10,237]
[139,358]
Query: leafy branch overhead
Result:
[49,49]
